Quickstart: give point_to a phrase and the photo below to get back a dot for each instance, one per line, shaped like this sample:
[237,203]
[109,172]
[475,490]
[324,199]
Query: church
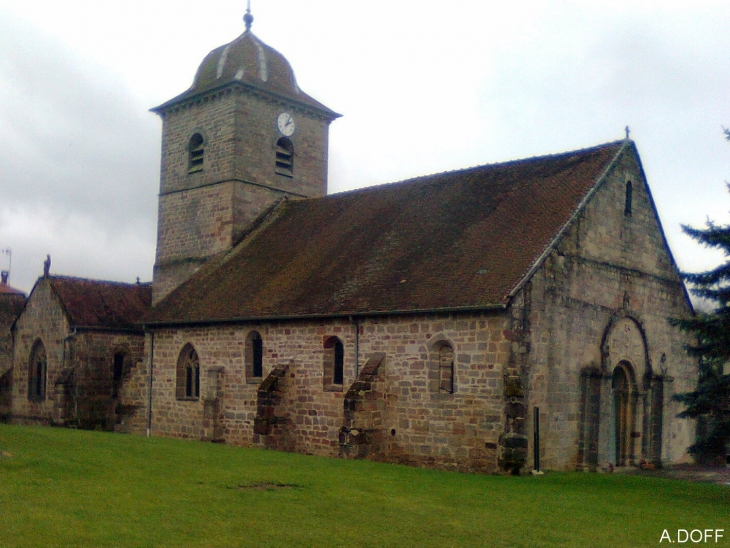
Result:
[481,320]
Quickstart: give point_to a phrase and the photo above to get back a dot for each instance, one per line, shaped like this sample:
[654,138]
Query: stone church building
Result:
[77,341]
[427,322]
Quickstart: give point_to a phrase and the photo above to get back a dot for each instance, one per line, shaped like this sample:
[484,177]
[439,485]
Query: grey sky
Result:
[424,86]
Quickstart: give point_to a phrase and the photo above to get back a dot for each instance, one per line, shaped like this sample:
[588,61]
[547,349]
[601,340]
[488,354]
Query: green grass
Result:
[76,488]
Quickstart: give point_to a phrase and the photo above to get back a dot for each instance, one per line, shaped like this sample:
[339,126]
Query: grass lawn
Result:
[74,488]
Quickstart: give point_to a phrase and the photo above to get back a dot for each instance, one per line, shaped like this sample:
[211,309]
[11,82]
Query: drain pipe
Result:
[536,441]
[63,368]
[149,384]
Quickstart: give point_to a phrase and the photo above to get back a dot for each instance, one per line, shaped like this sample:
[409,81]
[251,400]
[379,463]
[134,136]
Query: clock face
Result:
[286,124]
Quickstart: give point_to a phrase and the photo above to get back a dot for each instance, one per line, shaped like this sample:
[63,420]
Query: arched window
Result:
[446,369]
[629,198]
[441,377]
[254,357]
[120,367]
[188,374]
[196,150]
[334,364]
[285,157]
[37,371]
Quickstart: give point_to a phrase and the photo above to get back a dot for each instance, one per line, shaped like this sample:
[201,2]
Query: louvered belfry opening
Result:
[285,157]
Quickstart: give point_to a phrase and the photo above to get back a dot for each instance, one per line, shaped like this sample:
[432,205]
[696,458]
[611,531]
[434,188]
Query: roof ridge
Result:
[61,277]
[478,167]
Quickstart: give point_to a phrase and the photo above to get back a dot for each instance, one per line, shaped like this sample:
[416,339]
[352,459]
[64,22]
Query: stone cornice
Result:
[182,102]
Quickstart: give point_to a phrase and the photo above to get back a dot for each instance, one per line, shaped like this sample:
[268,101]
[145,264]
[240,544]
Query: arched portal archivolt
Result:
[622,401]
[625,340]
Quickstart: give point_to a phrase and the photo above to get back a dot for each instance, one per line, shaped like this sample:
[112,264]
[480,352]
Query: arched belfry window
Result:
[196,150]
[254,357]
[285,157]
[37,372]
[333,364]
[188,374]
[629,198]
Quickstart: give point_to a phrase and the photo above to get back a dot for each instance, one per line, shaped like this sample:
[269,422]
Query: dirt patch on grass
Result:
[265,486]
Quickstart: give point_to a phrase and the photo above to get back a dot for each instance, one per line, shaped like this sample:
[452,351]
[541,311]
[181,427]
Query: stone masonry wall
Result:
[93,361]
[419,426]
[43,319]
[132,407]
[425,427]
[10,307]
[609,266]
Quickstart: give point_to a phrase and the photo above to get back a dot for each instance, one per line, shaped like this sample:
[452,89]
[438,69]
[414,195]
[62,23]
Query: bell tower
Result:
[240,139]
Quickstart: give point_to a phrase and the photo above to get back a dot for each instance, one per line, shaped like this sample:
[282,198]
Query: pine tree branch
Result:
[710,400]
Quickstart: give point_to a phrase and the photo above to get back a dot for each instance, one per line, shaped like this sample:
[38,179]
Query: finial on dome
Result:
[248,18]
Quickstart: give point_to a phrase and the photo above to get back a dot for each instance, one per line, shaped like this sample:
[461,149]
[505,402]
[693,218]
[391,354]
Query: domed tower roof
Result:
[249,61]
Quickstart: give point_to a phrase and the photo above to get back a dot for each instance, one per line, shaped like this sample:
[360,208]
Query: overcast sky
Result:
[424,86]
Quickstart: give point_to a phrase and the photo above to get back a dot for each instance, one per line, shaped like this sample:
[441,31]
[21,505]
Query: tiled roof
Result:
[457,240]
[11,304]
[101,305]
[5,289]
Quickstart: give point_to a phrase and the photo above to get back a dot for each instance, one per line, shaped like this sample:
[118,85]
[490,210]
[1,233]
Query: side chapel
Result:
[419,322]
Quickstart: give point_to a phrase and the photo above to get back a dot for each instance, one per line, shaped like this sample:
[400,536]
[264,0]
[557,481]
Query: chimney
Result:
[4,274]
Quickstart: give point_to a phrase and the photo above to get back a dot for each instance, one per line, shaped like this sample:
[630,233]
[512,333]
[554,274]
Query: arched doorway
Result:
[624,394]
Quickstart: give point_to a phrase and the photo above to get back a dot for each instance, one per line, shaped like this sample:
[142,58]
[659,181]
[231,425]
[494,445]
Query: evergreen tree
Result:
[710,401]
